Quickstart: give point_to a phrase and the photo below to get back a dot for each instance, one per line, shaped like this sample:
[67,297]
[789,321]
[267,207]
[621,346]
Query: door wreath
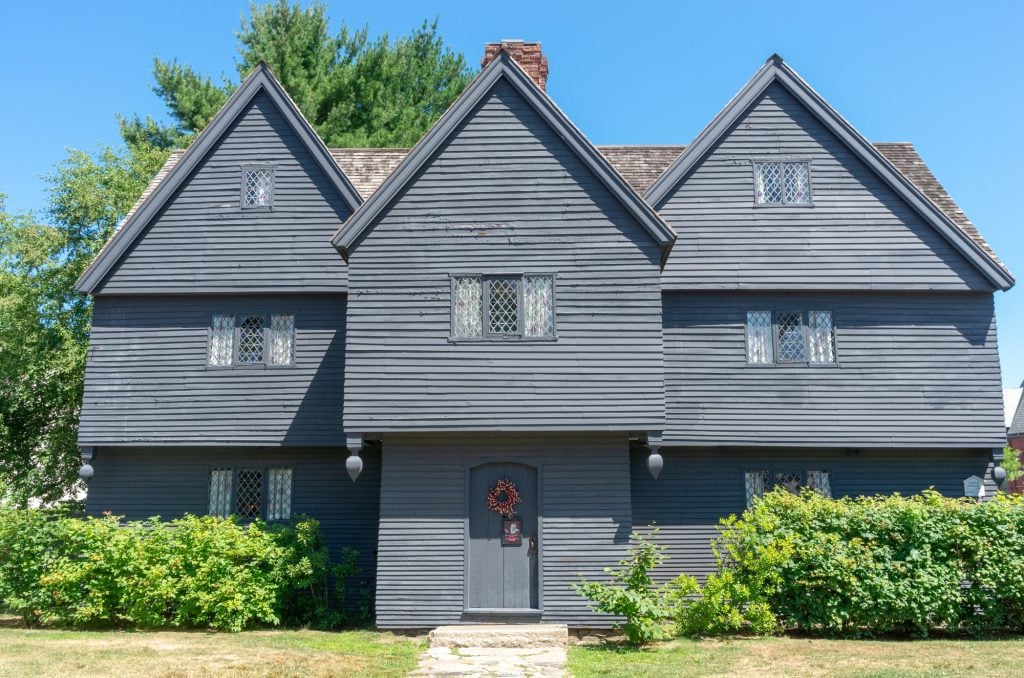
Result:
[503,497]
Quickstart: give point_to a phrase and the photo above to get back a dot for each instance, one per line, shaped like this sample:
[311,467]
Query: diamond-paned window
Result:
[220,492]
[782,183]
[257,187]
[467,307]
[790,329]
[759,337]
[250,340]
[820,337]
[820,482]
[222,340]
[755,484]
[282,339]
[790,481]
[249,496]
[279,494]
[538,306]
[503,306]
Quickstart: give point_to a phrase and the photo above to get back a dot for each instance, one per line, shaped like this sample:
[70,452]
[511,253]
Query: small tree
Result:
[632,592]
[1011,463]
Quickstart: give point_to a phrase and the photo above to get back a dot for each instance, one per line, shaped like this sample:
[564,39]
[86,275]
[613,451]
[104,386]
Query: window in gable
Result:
[782,183]
[257,187]
[503,307]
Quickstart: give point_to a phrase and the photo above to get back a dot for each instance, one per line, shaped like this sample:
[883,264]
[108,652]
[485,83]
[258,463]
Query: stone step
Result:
[501,635]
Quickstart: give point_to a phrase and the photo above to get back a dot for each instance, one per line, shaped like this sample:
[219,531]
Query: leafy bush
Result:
[191,572]
[632,592]
[868,566]
[1011,463]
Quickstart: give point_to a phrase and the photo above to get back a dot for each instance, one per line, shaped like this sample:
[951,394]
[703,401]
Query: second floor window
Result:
[782,183]
[503,306]
[252,339]
[790,337]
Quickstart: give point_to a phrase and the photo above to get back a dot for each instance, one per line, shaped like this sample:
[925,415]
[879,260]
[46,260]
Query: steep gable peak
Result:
[503,67]
[260,81]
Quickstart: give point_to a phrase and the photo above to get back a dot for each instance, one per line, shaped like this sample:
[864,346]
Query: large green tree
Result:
[356,91]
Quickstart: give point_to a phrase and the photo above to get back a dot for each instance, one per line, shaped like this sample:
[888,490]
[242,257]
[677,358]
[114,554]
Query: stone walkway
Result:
[509,651]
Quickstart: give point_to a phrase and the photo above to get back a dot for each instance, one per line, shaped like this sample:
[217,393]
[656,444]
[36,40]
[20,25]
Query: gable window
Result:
[790,337]
[255,340]
[257,187]
[503,307]
[782,183]
[251,493]
[757,483]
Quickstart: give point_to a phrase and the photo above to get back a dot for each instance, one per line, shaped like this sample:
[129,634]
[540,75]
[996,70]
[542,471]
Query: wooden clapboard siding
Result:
[699,486]
[857,234]
[504,194]
[147,378]
[203,241]
[914,369]
[585,520]
[138,483]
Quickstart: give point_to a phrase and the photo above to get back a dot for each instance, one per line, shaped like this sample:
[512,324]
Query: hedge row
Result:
[192,572]
[869,566]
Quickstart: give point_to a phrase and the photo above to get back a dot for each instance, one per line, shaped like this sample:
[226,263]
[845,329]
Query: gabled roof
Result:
[775,70]
[178,168]
[1016,426]
[502,67]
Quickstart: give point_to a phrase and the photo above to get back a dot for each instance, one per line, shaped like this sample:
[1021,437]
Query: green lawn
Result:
[803,657]
[46,652]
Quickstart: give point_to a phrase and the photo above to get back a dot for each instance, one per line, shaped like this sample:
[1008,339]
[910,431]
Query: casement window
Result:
[757,483]
[251,493]
[790,337]
[782,183]
[257,187]
[503,307]
[252,339]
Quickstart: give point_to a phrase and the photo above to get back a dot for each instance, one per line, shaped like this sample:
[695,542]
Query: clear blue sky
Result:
[947,76]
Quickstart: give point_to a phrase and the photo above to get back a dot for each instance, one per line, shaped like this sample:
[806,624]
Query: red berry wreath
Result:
[503,497]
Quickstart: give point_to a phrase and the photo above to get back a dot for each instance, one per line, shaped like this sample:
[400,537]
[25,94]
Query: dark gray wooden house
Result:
[628,335]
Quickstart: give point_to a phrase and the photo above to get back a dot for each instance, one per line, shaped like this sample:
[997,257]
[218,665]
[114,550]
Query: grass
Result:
[801,657]
[48,652]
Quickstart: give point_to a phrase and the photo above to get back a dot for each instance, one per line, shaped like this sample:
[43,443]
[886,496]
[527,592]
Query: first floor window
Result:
[251,493]
[790,337]
[279,494]
[220,492]
[757,483]
[503,306]
[252,340]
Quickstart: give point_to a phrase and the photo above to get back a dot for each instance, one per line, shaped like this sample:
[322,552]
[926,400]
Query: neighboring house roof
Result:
[503,67]
[776,70]
[181,164]
[1014,404]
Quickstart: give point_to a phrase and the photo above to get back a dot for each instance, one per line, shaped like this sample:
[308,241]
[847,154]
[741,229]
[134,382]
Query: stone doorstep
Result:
[501,635]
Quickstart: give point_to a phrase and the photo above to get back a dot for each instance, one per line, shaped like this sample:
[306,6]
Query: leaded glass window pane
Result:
[790,481]
[791,337]
[250,340]
[249,497]
[755,483]
[467,307]
[538,306]
[282,339]
[820,482]
[222,339]
[279,494]
[257,187]
[796,183]
[503,306]
[768,182]
[821,337]
[759,337]
[220,492]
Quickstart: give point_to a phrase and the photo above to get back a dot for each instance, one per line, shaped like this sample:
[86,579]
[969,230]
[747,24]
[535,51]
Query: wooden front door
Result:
[502,576]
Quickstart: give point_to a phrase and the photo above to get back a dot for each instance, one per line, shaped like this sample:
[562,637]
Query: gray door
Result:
[502,576]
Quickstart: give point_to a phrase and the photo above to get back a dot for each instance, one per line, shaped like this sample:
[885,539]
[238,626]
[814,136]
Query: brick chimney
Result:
[526,54]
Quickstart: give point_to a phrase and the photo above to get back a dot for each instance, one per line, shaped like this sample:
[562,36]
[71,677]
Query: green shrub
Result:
[632,592]
[868,566]
[192,572]
[1011,463]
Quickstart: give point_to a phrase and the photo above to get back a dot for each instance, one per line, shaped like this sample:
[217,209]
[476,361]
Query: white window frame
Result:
[246,169]
[485,320]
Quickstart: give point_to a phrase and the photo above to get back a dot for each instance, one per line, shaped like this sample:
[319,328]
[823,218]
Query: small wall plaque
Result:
[511,532]
[974,487]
